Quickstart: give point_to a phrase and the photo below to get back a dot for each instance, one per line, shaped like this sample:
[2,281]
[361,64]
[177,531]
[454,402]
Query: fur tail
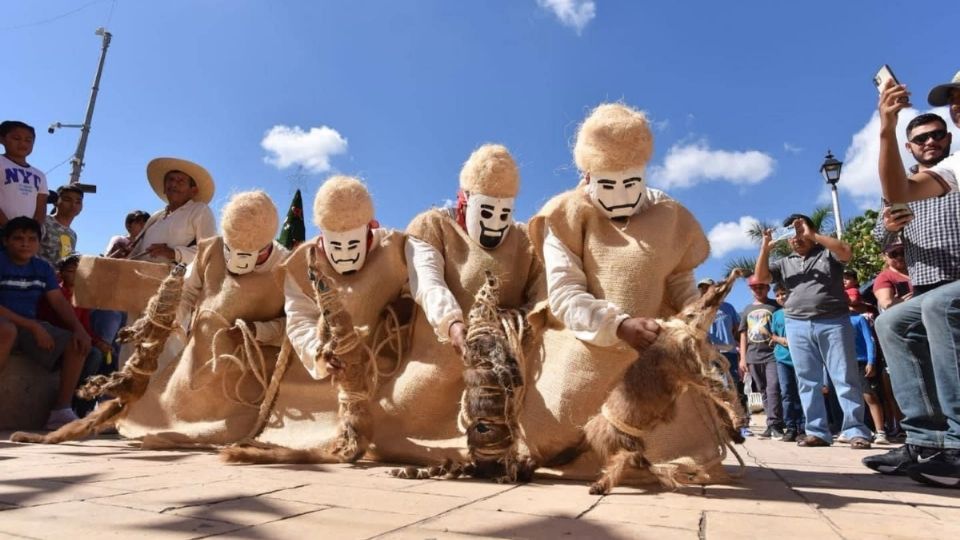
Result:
[251,454]
[569,454]
[106,414]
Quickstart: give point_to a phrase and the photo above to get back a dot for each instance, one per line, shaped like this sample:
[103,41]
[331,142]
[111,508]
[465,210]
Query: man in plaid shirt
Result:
[931,233]
[921,337]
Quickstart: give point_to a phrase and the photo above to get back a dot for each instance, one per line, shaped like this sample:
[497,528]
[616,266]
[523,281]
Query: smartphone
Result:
[782,233]
[883,75]
[902,289]
[900,208]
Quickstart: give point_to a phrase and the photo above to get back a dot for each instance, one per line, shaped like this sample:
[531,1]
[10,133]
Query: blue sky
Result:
[746,97]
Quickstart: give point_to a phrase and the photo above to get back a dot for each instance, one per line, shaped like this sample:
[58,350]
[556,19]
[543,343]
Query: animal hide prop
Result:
[352,366]
[493,394]
[149,335]
[679,359]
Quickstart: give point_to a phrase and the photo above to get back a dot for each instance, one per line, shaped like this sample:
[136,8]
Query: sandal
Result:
[810,441]
[859,443]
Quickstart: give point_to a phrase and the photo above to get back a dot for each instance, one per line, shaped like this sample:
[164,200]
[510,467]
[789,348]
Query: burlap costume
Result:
[304,413]
[199,399]
[627,262]
[417,418]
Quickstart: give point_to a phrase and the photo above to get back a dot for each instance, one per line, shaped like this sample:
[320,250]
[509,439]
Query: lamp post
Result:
[831,173]
[76,161]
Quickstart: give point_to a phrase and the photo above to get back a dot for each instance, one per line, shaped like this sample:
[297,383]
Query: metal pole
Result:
[77,160]
[836,211]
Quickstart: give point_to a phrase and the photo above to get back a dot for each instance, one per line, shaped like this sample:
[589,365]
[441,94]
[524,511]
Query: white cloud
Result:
[859,177]
[311,149]
[660,125]
[573,13]
[730,236]
[691,164]
[793,149]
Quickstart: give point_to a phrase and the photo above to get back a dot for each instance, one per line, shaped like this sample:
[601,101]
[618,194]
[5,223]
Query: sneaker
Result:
[880,438]
[843,439]
[898,460]
[790,435]
[767,433]
[745,432]
[59,418]
[941,469]
[776,433]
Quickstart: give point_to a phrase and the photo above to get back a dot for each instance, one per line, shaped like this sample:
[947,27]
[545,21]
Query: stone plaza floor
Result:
[106,487]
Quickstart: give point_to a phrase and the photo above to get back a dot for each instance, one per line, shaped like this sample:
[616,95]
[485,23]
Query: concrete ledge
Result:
[27,391]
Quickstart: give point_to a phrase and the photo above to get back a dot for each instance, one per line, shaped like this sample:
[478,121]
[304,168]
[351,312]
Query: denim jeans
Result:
[105,325]
[792,410]
[827,343]
[765,376]
[920,340]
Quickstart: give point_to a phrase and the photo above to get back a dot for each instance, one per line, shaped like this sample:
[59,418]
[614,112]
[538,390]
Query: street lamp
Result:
[831,173]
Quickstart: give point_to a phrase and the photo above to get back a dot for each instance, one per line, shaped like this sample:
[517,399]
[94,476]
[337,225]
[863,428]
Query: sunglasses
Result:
[896,254]
[937,135]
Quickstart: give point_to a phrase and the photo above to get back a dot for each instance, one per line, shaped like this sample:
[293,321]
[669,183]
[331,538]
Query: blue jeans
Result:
[105,325]
[792,410]
[827,343]
[920,339]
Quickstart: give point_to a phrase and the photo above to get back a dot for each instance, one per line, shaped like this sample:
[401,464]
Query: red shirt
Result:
[890,279]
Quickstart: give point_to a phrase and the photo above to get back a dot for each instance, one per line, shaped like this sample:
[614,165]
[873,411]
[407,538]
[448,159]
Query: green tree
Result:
[867,257]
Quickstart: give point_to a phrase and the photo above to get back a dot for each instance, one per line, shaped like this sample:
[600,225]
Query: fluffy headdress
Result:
[490,170]
[342,203]
[249,221]
[614,137]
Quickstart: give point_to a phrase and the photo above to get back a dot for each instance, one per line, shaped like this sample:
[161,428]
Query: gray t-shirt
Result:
[58,241]
[815,283]
[755,324]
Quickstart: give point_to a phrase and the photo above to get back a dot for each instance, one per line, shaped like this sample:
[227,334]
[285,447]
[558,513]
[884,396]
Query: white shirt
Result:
[181,230]
[266,332]
[948,170]
[20,187]
[591,319]
[427,286]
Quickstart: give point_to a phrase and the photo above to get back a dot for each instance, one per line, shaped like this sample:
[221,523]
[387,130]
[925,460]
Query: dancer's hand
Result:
[638,332]
[458,336]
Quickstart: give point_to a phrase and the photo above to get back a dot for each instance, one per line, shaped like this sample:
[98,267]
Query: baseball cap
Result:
[706,281]
[940,95]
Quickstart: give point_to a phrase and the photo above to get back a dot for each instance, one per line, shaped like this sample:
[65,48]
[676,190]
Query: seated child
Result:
[24,279]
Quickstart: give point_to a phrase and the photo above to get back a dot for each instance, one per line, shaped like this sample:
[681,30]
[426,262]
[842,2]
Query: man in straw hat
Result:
[448,253]
[617,254]
[920,337]
[232,306]
[364,263]
[173,233]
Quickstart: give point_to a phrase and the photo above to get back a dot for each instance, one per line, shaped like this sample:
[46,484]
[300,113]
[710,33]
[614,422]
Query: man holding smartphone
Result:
[921,337]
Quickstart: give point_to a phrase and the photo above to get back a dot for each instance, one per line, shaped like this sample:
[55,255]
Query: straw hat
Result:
[342,203]
[159,167]
[490,170]
[614,137]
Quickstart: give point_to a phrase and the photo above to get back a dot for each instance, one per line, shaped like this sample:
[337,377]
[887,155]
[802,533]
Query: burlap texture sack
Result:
[192,400]
[627,263]
[304,413]
[416,421]
[117,284]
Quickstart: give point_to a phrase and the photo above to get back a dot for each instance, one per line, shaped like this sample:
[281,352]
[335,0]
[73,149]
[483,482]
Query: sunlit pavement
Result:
[109,488]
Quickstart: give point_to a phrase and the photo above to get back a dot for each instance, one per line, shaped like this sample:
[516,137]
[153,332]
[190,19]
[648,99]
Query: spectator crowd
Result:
[831,360]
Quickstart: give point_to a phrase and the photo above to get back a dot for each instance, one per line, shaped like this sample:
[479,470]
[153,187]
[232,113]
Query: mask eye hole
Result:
[505,216]
[486,214]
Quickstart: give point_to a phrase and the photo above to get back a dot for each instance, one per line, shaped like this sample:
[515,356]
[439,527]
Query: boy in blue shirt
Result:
[869,374]
[24,278]
[792,409]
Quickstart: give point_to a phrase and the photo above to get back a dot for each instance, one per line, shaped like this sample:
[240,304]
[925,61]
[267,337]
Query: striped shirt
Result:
[21,286]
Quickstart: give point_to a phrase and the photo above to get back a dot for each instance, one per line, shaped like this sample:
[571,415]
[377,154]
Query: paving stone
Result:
[559,500]
[659,516]
[513,525]
[189,493]
[86,520]
[339,523]
[32,492]
[249,510]
[763,527]
[857,524]
[418,504]
[467,488]
[859,501]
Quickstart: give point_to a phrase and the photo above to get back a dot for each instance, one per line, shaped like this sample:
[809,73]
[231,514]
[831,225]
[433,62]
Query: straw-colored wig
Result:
[490,171]
[614,137]
[342,203]
[249,221]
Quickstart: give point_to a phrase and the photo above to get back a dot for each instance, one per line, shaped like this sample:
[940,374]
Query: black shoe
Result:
[897,461]
[790,435]
[776,433]
[940,469]
[766,433]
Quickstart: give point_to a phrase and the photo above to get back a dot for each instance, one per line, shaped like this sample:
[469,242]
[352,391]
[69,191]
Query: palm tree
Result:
[822,217]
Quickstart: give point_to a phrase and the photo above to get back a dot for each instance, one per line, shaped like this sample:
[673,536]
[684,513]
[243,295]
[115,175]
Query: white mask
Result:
[346,250]
[618,194]
[240,262]
[488,219]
